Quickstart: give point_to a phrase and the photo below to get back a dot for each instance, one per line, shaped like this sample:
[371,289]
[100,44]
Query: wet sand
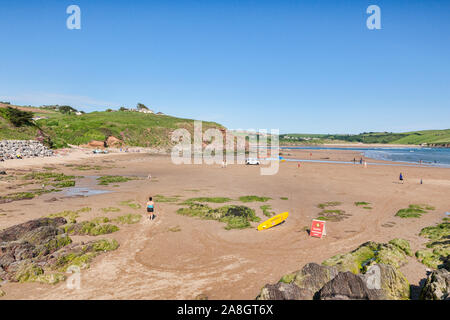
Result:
[154,262]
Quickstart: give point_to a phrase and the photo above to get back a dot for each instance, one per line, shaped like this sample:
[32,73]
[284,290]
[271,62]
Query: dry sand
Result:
[154,262]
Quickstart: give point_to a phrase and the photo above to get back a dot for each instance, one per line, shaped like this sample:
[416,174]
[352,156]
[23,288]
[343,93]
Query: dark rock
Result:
[16,232]
[437,286]
[388,281]
[284,291]
[347,286]
[41,235]
[314,276]
[301,285]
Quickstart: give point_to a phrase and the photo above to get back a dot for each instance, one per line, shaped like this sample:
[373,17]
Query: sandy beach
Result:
[180,257]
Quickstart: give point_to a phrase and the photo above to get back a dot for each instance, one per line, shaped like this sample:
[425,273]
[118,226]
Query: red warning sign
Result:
[317,229]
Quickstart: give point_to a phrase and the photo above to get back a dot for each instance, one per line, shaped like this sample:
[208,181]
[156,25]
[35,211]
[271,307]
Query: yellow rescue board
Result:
[273,221]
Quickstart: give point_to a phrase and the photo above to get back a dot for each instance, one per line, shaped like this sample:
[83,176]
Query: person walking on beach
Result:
[150,208]
[401,178]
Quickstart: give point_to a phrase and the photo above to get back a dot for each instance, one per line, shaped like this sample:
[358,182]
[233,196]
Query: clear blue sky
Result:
[300,66]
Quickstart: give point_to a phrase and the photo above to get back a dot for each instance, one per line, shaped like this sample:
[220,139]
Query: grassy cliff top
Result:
[133,128]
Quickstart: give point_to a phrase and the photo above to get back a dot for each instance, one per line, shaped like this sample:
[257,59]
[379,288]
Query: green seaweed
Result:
[254,199]
[329,204]
[414,211]
[110,209]
[106,180]
[266,210]
[130,203]
[438,249]
[206,199]
[236,217]
[129,218]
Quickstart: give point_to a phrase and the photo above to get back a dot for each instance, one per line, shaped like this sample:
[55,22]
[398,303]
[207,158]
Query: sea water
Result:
[430,156]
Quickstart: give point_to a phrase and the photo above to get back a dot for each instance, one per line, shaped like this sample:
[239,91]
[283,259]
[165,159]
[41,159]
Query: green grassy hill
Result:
[133,128]
[435,137]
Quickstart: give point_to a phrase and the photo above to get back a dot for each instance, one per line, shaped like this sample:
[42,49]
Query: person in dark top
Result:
[150,208]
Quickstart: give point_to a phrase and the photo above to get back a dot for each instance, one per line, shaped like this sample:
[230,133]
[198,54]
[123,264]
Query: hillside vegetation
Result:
[430,137]
[133,128]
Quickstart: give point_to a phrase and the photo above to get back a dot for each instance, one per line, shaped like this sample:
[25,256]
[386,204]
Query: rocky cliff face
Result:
[9,149]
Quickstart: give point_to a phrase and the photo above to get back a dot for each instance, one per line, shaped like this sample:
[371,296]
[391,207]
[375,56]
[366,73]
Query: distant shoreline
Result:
[367,145]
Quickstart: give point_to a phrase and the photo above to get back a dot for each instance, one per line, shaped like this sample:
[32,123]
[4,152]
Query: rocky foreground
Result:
[370,272]
[42,251]
[10,149]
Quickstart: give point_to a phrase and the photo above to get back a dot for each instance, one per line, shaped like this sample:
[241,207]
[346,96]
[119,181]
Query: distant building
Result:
[39,118]
[142,110]
[145,111]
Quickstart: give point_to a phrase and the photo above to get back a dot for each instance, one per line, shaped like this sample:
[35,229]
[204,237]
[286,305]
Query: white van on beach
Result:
[252,161]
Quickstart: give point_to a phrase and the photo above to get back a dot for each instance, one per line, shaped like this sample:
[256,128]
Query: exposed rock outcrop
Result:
[284,291]
[96,144]
[370,272]
[393,253]
[113,142]
[18,231]
[437,286]
[301,285]
[347,286]
[388,281]
[313,276]
[39,250]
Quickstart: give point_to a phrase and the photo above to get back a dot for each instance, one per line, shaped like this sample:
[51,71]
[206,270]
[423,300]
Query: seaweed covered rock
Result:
[390,283]
[385,253]
[437,252]
[236,217]
[29,251]
[18,231]
[80,255]
[369,272]
[284,291]
[91,228]
[402,244]
[313,276]
[347,286]
[437,286]
[300,285]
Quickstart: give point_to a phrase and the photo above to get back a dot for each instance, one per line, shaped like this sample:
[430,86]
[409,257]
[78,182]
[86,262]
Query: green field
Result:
[435,137]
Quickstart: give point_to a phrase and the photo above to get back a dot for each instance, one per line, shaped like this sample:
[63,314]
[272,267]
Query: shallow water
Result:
[439,157]
[85,192]
[86,187]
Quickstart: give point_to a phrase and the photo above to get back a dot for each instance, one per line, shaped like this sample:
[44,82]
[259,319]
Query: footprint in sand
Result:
[389,224]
